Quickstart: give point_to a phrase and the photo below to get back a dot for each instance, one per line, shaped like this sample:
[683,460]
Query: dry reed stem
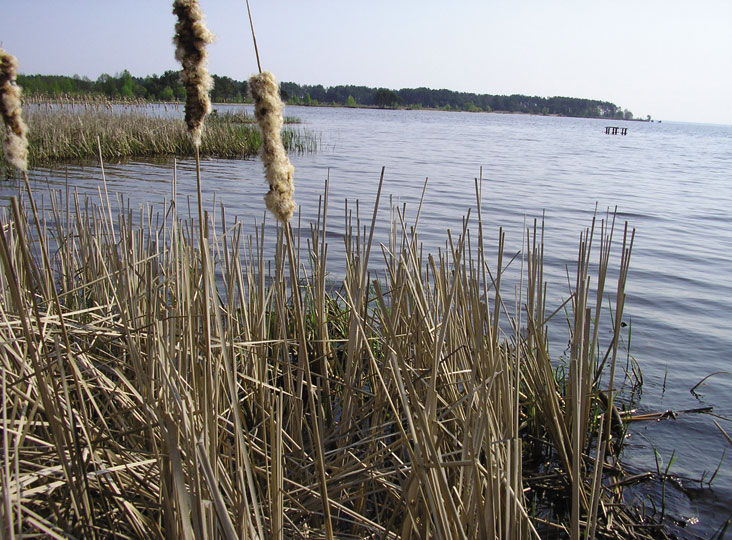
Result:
[15,141]
[277,167]
[191,38]
[138,423]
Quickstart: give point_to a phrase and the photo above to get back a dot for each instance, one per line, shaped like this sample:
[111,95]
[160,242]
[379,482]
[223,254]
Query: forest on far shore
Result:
[167,87]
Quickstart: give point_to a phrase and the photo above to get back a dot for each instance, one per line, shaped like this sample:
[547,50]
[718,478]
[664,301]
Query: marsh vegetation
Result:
[153,388]
[82,130]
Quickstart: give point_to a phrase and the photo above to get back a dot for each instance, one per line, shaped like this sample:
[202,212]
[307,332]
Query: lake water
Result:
[672,182]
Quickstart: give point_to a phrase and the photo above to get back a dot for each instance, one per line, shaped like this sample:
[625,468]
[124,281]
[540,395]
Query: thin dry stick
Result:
[254,38]
[726,435]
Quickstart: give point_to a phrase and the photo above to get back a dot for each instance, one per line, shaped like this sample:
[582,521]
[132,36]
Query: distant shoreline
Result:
[168,87]
[34,99]
[433,109]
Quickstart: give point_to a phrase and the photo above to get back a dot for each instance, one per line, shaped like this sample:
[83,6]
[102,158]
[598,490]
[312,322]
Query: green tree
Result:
[317,92]
[166,94]
[126,85]
[386,98]
[154,87]
[293,91]
[225,89]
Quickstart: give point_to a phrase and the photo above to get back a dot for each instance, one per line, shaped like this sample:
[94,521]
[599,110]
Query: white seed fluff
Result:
[277,167]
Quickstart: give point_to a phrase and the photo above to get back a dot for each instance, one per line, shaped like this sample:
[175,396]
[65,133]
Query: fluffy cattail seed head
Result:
[15,141]
[277,167]
[191,38]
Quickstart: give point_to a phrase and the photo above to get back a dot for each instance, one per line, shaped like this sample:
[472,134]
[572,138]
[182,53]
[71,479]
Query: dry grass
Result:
[80,131]
[152,388]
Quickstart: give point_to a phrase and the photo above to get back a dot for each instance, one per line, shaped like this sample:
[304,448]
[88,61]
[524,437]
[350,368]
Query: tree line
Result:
[167,87]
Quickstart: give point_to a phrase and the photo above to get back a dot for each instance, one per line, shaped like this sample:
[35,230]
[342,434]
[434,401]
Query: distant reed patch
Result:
[77,131]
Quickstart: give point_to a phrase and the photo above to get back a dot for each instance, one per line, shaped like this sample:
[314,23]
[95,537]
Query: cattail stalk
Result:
[15,141]
[277,167]
[191,38]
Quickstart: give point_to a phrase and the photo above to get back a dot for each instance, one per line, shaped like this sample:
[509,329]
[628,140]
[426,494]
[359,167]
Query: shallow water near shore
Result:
[669,181]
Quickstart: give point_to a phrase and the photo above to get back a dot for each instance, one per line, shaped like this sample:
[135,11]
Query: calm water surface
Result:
[671,182]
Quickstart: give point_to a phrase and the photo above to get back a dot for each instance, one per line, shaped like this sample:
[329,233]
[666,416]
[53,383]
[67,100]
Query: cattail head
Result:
[191,38]
[277,167]
[15,142]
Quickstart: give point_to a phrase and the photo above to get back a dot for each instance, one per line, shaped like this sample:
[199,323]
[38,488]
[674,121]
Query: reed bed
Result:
[144,397]
[96,102]
[81,131]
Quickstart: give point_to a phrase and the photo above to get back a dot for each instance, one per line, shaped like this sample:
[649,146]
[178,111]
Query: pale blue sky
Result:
[671,59]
